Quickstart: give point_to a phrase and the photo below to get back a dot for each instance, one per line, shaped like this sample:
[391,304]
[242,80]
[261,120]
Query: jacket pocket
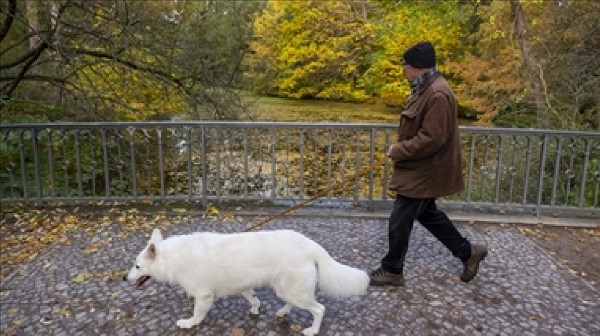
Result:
[409,123]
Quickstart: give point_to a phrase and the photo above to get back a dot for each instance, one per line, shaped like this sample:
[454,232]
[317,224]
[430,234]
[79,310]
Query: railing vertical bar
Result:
[511,170]
[132,157]
[315,160]
[499,166]
[329,162]
[542,165]
[570,171]
[556,171]
[161,161]
[586,162]
[218,159]
[386,170]
[51,164]
[120,161]
[78,163]
[105,160]
[273,164]
[204,166]
[527,169]
[471,167]
[23,170]
[188,140]
[483,169]
[301,177]
[357,166]
[287,164]
[372,165]
[65,166]
[36,163]
[245,148]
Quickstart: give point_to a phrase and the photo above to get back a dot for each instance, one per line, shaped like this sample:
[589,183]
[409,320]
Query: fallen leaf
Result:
[237,332]
[82,277]
[91,249]
[64,312]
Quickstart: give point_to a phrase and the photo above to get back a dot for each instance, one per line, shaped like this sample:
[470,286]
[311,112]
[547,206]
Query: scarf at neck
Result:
[421,83]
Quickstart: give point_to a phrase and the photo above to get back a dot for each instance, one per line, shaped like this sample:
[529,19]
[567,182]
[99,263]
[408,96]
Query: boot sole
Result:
[379,284]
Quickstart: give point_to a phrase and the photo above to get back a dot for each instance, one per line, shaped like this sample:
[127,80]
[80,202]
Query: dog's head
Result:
[142,270]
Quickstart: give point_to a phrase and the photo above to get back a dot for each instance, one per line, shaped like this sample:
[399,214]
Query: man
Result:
[427,165]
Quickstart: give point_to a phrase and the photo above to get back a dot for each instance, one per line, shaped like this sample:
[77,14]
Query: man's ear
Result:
[156,236]
[151,251]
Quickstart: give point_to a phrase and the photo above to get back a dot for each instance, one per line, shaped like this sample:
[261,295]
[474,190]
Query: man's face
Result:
[409,72]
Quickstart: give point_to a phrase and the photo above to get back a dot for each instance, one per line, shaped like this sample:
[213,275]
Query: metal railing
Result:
[283,162]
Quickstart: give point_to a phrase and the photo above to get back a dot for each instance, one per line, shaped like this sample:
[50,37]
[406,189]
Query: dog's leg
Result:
[317,310]
[298,289]
[254,301]
[285,311]
[202,304]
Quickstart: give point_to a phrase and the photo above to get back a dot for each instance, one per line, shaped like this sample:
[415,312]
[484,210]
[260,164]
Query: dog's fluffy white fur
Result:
[212,265]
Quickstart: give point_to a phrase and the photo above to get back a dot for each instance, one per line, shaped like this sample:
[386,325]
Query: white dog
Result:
[212,265]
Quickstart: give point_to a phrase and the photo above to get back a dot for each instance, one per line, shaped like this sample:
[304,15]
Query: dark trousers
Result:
[405,211]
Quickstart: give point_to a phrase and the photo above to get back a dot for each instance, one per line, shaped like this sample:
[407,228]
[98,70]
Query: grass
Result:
[263,108]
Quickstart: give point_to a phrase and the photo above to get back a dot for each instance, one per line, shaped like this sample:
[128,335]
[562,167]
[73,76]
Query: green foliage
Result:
[149,60]
[311,49]
[328,50]
[442,23]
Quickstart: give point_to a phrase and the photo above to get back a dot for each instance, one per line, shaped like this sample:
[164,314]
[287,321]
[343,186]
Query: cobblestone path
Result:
[76,289]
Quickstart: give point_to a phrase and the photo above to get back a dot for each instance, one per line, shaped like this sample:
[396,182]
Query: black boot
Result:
[381,277]
[478,253]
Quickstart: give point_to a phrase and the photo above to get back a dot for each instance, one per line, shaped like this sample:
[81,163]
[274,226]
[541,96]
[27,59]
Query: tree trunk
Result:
[530,63]
[32,19]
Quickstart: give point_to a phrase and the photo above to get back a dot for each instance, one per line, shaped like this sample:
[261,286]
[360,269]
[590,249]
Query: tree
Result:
[122,59]
[532,67]
[311,49]
[535,65]
[402,24]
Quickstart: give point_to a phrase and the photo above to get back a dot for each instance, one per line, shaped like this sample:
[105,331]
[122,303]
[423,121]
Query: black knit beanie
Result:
[421,55]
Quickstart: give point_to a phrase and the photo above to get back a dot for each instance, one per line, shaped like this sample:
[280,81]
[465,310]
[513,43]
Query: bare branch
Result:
[8,21]
[25,68]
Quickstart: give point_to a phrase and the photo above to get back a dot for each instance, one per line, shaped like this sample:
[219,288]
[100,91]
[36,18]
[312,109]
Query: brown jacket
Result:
[427,159]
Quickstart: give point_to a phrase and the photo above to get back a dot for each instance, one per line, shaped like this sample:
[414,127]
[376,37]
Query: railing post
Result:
[36,162]
[540,187]
[370,206]
[204,165]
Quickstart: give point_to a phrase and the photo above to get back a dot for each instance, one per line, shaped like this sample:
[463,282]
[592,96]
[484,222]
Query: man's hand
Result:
[390,149]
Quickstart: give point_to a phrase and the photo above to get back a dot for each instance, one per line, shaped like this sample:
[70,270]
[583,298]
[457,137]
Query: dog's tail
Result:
[339,280]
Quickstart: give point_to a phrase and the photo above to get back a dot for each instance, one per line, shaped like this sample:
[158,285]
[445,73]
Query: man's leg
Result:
[438,223]
[399,229]
[400,226]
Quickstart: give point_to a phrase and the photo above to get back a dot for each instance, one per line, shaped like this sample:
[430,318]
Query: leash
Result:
[335,187]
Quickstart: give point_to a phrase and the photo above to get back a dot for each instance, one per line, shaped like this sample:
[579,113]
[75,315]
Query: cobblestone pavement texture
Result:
[73,290]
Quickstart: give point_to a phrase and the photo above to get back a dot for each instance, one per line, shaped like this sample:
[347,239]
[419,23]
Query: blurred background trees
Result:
[121,59]
[512,63]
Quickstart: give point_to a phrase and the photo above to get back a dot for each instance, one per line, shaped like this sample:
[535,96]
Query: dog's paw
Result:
[254,311]
[284,312]
[186,323]
[310,332]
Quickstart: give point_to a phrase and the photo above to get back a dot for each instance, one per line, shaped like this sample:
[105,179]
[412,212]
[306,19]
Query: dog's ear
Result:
[151,251]
[156,236]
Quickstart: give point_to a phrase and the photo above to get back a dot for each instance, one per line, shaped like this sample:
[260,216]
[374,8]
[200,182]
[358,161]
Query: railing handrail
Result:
[284,124]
